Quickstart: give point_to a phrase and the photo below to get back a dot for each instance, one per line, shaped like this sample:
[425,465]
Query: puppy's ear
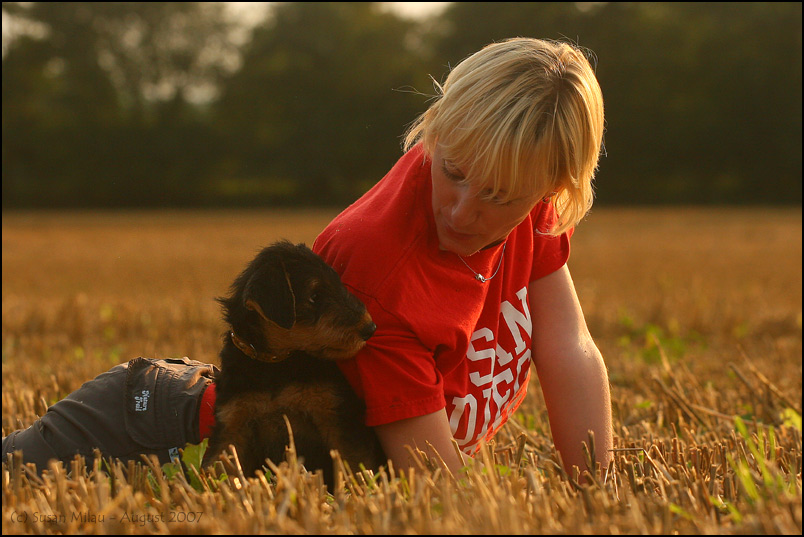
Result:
[269,293]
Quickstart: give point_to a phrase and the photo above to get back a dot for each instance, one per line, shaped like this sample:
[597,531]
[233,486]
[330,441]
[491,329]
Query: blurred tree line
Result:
[129,104]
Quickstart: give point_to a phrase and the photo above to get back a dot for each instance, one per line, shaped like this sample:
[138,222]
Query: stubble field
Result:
[697,313]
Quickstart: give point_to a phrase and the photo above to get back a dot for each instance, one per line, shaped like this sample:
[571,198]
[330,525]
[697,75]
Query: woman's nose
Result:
[463,211]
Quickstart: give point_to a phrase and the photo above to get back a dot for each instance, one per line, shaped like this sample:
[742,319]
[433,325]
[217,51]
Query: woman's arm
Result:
[433,428]
[571,370]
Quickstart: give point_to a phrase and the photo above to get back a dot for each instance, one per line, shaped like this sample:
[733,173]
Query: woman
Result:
[460,253]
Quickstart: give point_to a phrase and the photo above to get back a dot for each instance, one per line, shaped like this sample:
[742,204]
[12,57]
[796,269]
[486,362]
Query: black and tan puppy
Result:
[291,318]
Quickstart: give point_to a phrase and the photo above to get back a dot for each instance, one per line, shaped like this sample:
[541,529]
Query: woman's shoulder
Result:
[366,252]
[370,238]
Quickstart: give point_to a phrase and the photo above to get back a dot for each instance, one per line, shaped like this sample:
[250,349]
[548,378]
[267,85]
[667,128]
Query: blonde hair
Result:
[521,118]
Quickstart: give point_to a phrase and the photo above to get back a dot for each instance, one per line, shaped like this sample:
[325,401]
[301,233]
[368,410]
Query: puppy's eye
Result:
[313,298]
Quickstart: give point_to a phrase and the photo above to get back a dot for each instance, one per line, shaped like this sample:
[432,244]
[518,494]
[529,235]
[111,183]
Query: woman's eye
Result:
[450,172]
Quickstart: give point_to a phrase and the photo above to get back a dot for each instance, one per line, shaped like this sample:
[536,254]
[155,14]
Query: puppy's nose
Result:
[367,331]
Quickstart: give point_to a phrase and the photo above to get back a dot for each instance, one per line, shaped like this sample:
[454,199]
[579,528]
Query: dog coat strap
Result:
[206,415]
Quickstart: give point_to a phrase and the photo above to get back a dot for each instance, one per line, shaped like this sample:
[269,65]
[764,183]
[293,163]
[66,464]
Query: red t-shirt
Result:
[443,338]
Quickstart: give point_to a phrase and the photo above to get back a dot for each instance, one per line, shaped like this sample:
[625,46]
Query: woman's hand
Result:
[417,432]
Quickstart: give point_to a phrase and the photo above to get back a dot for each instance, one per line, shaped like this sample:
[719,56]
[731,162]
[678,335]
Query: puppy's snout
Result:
[367,331]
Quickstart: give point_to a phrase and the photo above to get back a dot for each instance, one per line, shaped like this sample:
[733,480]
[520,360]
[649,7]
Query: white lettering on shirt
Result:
[498,381]
[487,354]
[514,318]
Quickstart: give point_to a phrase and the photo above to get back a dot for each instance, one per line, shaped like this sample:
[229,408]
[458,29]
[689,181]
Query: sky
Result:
[417,9]
[251,12]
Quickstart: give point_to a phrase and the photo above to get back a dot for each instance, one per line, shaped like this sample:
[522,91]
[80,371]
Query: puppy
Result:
[291,318]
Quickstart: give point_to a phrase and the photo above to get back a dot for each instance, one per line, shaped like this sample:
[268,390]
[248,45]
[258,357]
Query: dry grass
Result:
[698,313]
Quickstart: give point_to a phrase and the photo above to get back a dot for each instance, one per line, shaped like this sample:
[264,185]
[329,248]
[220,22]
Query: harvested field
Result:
[697,313]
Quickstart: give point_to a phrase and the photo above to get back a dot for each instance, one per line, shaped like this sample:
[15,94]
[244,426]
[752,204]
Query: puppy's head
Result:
[288,299]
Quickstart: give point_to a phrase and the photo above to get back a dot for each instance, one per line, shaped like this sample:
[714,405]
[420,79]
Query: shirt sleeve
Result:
[395,374]
[549,253]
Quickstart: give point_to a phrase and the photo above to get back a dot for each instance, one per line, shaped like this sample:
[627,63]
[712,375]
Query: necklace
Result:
[480,278]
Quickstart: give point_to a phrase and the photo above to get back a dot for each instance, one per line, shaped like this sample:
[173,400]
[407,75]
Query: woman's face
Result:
[465,221]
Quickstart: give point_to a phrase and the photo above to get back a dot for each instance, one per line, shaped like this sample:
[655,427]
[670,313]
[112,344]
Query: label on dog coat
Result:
[141,401]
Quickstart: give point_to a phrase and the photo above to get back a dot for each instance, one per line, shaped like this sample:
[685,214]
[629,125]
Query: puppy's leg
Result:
[254,426]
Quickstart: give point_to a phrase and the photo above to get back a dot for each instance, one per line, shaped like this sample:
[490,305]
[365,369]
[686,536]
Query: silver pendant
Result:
[480,278]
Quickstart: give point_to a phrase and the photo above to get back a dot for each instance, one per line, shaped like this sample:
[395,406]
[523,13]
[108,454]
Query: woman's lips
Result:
[457,235]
